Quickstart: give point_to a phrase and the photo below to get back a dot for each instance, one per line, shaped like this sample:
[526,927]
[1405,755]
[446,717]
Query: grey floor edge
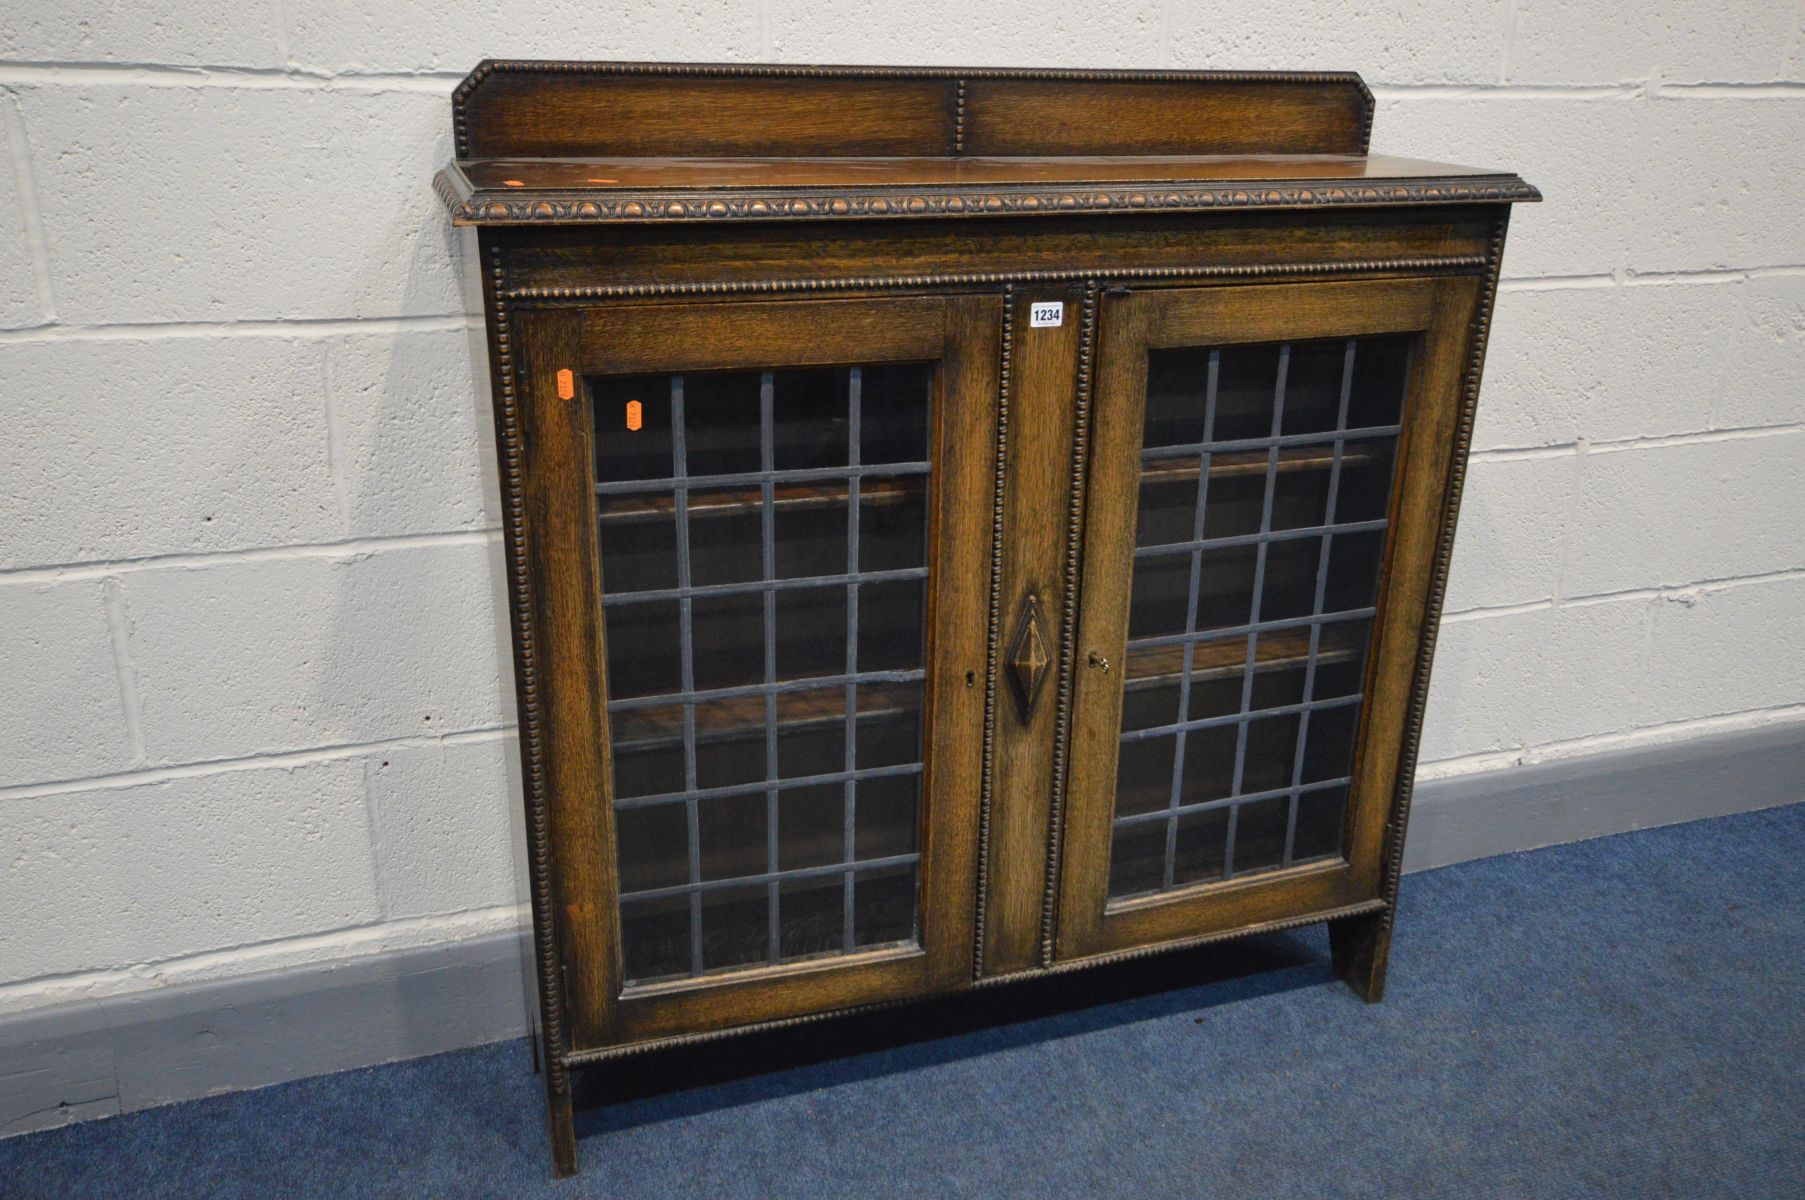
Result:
[101,1057]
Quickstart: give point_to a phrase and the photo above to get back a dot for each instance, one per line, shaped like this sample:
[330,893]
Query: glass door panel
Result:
[1268,462]
[747,648]
[1262,511]
[763,539]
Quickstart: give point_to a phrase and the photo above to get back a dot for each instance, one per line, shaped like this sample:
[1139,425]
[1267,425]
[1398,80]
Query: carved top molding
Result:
[469,207]
[573,143]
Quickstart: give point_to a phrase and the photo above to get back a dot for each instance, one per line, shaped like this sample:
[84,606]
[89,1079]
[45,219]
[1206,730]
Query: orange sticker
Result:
[566,385]
[634,415]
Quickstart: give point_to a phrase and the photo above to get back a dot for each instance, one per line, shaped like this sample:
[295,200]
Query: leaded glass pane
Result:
[1267,476]
[763,539]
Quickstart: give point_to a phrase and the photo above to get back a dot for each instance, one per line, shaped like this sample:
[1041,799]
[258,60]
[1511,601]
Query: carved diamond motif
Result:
[1029,656]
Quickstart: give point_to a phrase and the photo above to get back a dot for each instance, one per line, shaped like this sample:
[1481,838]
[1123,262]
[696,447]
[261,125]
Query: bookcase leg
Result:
[1360,947]
[560,1120]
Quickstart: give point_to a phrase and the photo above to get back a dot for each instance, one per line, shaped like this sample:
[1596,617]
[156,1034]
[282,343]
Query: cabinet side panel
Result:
[1426,451]
[553,1038]
[1363,948]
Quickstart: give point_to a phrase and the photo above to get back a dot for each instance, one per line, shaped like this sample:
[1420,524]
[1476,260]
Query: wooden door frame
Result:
[1440,311]
[558,524]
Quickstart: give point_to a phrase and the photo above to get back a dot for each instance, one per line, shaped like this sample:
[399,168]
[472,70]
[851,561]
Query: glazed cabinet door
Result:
[1266,488]
[759,535]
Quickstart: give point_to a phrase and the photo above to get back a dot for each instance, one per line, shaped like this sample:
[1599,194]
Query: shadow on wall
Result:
[416,458]
[469,267]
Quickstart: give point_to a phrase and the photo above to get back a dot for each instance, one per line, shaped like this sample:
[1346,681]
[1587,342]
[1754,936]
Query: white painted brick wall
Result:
[443,818]
[113,876]
[62,714]
[270,656]
[244,549]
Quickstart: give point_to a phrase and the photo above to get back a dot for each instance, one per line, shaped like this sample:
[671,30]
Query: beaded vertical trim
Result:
[532,721]
[994,632]
[959,121]
[1393,862]
[1068,621]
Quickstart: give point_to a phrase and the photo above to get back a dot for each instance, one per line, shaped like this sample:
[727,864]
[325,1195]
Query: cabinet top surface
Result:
[580,143]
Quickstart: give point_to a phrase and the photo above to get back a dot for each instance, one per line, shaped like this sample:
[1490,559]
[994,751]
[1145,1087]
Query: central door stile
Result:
[1031,616]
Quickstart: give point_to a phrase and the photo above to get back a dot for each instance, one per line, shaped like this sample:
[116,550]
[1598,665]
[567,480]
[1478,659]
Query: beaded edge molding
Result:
[993,633]
[1392,860]
[502,299]
[523,618]
[582,208]
[660,291]
[1068,625]
[581,1059]
[959,75]
[560,1059]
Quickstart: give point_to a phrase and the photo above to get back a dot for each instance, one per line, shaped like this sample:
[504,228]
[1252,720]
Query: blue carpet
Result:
[1621,1017]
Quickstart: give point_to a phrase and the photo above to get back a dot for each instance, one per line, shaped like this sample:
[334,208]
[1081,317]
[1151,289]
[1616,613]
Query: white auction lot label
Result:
[1046,314]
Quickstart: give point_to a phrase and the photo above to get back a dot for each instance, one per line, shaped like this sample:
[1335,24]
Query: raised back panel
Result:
[1184,115]
[601,110]
[576,110]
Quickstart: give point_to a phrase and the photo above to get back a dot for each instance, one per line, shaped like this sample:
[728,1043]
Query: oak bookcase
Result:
[961,524]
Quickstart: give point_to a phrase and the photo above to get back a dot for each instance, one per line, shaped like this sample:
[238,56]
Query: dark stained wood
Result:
[1357,949]
[1166,116]
[789,497]
[691,337]
[1425,456]
[1133,323]
[524,176]
[563,561]
[641,218]
[552,113]
[961,333]
[1153,666]
[543,109]
[554,262]
[740,715]
[1234,463]
[1042,369]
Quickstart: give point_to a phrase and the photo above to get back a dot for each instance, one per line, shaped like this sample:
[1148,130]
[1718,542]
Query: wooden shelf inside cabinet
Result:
[1228,464]
[645,726]
[874,492]
[827,694]
[1162,666]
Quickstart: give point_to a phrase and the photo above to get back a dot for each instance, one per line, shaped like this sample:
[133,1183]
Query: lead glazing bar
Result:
[854,385]
[1283,710]
[789,876]
[617,487]
[752,586]
[1259,587]
[1168,549]
[1185,810]
[1322,587]
[767,436]
[1185,450]
[740,789]
[808,683]
[686,653]
[1198,515]
[1214,635]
